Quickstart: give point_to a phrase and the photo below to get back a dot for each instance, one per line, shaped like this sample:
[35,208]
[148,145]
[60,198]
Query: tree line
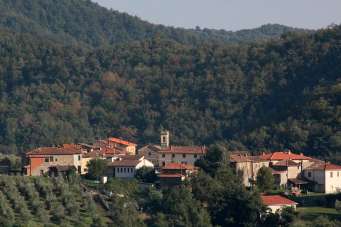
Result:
[267,96]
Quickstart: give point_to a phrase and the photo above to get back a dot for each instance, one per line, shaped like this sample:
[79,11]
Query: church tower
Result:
[164,138]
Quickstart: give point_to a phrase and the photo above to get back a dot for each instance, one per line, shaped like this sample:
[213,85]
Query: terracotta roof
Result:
[270,200]
[286,163]
[54,151]
[239,158]
[324,166]
[178,166]
[93,154]
[131,157]
[184,150]
[120,141]
[124,163]
[166,175]
[281,155]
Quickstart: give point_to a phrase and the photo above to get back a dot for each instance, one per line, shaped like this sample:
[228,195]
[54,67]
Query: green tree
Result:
[179,208]
[228,202]
[96,168]
[213,159]
[265,179]
[146,174]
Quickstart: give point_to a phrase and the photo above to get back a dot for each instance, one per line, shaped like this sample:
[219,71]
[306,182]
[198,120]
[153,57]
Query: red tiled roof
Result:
[93,154]
[184,150]
[166,175]
[270,200]
[54,151]
[324,166]
[284,156]
[120,141]
[239,158]
[125,163]
[178,166]
[286,163]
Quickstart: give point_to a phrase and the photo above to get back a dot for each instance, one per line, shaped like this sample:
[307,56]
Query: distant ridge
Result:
[88,22]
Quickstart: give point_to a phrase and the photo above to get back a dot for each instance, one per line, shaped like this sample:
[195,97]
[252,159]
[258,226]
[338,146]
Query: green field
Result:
[310,213]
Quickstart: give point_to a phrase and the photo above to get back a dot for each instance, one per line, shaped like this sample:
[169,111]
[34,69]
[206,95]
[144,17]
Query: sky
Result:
[232,14]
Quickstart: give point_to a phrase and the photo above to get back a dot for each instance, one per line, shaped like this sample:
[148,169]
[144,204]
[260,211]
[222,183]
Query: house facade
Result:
[276,203]
[125,146]
[180,154]
[173,174]
[150,152]
[126,167]
[326,177]
[42,159]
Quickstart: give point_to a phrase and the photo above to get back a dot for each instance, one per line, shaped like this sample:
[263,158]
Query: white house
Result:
[126,168]
[276,203]
[326,177]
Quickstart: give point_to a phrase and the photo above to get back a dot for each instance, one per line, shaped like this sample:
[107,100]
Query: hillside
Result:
[278,95]
[72,21]
[42,201]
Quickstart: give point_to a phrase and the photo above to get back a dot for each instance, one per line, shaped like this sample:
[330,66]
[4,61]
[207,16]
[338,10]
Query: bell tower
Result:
[164,136]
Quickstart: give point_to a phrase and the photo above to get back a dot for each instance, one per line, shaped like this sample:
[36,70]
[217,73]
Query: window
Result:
[56,160]
[195,156]
[163,155]
[51,159]
[184,156]
[309,174]
[163,163]
[173,155]
[79,157]
[47,159]
[331,174]
[149,153]
[79,169]
[41,172]
[118,170]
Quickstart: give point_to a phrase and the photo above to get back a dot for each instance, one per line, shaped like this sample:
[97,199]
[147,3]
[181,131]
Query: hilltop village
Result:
[174,164]
[293,176]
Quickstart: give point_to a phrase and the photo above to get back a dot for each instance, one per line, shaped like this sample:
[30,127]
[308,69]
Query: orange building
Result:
[44,158]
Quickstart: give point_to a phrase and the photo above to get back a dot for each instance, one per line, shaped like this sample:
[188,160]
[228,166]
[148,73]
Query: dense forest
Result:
[74,21]
[282,93]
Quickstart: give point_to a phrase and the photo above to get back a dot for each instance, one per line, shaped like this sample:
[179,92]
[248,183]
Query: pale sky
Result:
[232,14]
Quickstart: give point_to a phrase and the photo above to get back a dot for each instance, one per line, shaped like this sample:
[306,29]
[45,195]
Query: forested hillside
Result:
[277,95]
[72,71]
[72,21]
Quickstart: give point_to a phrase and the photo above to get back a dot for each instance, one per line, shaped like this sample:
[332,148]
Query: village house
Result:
[151,151]
[178,154]
[173,174]
[165,153]
[126,166]
[276,203]
[118,144]
[44,158]
[325,176]
[63,158]
[290,170]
